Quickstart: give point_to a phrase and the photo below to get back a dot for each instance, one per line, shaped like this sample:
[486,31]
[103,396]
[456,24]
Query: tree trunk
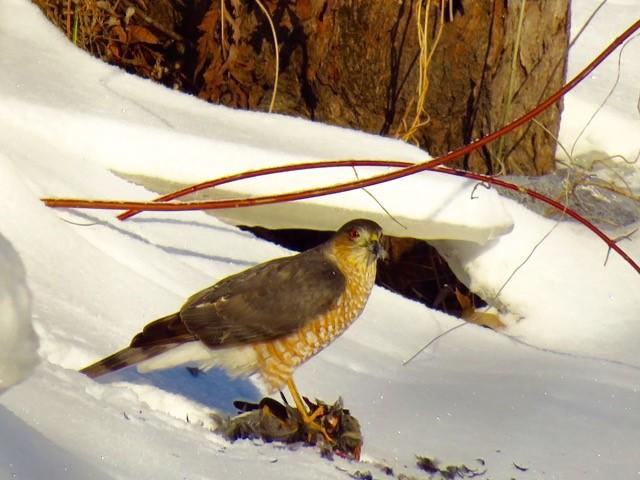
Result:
[354,63]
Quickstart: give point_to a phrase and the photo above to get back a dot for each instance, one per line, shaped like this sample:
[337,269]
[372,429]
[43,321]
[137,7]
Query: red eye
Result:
[354,234]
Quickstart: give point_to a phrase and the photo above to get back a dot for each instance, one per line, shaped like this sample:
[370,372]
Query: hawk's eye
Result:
[354,234]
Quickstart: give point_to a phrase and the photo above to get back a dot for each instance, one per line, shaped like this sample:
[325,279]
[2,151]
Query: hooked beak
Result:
[376,248]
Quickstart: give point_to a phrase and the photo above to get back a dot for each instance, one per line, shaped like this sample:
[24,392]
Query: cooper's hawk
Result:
[267,319]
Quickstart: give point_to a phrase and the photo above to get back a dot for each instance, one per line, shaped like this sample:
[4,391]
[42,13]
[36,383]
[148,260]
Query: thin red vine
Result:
[402,172]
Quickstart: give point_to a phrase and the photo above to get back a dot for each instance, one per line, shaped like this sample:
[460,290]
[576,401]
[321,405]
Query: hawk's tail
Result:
[124,358]
[156,338]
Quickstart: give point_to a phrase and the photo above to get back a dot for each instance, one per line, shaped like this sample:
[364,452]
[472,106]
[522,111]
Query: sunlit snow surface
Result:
[18,341]
[559,396]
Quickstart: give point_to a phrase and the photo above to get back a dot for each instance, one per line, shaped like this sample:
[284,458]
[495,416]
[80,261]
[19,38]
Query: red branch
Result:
[267,171]
[394,163]
[315,192]
[402,172]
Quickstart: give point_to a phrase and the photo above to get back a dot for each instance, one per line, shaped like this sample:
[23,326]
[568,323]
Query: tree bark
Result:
[354,63]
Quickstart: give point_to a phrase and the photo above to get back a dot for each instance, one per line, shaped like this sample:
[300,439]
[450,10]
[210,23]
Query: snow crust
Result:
[558,393]
[18,341]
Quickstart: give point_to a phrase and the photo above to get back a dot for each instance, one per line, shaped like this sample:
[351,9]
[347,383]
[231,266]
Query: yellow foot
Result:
[309,419]
[319,412]
[311,424]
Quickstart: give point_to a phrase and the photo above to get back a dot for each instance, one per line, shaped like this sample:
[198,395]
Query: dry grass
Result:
[407,131]
[118,32]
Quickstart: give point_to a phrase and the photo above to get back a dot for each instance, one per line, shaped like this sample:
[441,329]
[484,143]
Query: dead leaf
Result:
[118,32]
[471,315]
[113,52]
[208,47]
[138,34]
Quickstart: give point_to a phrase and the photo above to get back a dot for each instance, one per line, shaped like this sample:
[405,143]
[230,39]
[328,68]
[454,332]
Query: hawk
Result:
[265,320]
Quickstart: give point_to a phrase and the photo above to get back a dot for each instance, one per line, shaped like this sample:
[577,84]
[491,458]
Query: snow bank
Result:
[18,341]
[174,137]
[564,291]
[608,98]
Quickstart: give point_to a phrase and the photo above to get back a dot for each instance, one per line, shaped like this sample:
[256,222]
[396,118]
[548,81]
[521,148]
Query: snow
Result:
[552,304]
[18,342]
[558,393]
[190,139]
[614,83]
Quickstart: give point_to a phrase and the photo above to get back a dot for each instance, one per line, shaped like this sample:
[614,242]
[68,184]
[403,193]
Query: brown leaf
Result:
[138,34]
[304,9]
[113,52]
[208,46]
[118,32]
[471,315]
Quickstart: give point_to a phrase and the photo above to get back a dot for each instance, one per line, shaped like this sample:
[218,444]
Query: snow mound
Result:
[18,341]
[174,137]
[566,290]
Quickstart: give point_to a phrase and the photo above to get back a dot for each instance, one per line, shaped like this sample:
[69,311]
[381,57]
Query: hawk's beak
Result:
[376,248]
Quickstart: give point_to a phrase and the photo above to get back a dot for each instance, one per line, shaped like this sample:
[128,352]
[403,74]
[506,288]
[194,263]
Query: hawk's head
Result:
[360,239]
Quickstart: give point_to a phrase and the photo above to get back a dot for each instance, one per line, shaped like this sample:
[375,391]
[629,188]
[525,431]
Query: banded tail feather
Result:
[156,338]
[124,358]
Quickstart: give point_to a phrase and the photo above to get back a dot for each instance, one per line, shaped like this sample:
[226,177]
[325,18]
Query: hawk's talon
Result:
[309,419]
[311,425]
[320,411]
[323,431]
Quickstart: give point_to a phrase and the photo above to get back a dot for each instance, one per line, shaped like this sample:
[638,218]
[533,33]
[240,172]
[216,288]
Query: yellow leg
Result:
[308,419]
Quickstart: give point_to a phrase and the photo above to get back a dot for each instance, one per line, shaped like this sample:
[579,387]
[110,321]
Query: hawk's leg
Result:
[308,419]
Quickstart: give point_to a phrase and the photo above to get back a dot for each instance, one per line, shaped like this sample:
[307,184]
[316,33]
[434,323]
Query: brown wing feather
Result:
[267,301]
[165,330]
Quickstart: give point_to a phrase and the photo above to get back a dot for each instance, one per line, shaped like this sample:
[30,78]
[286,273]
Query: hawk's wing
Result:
[267,301]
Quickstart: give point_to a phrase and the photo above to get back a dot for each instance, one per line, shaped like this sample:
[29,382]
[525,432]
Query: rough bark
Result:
[354,63]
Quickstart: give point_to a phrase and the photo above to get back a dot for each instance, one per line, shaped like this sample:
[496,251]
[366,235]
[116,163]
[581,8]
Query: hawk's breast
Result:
[278,358]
